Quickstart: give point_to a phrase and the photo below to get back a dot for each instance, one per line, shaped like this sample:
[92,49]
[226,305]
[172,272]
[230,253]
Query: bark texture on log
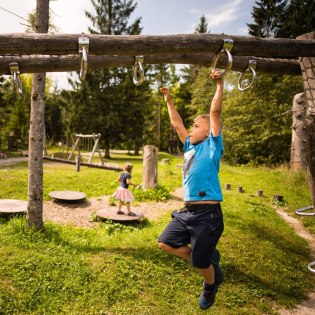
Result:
[37,129]
[150,167]
[55,63]
[133,45]
[299,134]
[308,73]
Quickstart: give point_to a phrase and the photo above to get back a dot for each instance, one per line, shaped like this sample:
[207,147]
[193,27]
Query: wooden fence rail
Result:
[65,44]
[56,63]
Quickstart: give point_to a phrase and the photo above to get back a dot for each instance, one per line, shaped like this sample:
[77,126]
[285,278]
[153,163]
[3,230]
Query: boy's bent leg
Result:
[182,251]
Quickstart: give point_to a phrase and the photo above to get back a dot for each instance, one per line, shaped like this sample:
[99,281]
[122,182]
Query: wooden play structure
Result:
[89,139]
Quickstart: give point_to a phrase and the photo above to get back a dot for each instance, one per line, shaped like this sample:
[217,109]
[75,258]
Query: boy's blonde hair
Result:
[204,116]
[128,167]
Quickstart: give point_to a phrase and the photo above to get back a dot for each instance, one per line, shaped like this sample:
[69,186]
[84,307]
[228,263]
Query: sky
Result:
[159,17]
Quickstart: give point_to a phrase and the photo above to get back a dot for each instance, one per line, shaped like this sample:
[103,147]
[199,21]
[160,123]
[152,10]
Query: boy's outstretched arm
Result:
[216,106]
[175,118]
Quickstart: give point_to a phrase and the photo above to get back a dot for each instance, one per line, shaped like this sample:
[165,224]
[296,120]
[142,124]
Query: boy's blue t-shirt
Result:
[200,169]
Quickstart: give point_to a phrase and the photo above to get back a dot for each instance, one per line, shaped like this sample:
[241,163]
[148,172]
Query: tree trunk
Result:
[150,167]
[107,151]
[37,129]
[299,134]
[308,73]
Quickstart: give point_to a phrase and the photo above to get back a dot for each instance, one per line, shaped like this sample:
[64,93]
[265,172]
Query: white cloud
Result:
[224,14]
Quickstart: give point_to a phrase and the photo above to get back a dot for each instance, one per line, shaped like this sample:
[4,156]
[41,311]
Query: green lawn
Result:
[117,269]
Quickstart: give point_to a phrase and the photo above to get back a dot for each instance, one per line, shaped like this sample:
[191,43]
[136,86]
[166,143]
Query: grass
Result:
[118,269]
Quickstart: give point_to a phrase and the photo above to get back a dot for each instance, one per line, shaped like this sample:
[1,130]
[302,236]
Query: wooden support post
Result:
[228,186]
[308,73]
[240,189]
[36,134]
[150,167]
[78,163]
[299,133]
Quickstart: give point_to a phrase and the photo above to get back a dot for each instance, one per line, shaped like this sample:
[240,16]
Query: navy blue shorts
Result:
[199,225]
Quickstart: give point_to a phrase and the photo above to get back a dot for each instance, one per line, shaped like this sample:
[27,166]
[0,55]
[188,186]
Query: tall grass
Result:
[118,269]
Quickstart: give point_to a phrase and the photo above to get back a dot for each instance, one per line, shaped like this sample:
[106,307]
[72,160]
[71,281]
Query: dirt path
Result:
[81,214]
[307,307]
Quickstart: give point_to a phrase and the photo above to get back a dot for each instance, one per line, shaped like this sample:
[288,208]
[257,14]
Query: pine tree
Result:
[268,18]
[101,98]
[299,19]
[202,27]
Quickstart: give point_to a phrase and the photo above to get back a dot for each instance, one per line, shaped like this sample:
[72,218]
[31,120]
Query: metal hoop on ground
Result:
[302,212]
[15,72]
[138,64]
[311,267]
[251,67]
[83,51]
[227,47]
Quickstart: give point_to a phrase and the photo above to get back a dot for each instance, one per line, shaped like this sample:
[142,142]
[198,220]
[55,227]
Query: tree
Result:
[202,27]
[268,18]
[257,123]
[299,19]
[100,94]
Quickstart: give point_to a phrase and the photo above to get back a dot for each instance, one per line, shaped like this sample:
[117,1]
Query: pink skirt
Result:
[123,194]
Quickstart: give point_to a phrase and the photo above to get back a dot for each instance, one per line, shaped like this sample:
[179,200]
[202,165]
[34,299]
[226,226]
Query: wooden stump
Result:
[278,197]
[240,189]
[260,193]
[228,186]
[150,169]
[165,161]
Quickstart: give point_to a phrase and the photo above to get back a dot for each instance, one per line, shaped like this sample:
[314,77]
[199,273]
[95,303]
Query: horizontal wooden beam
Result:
[38,63]
[65,44]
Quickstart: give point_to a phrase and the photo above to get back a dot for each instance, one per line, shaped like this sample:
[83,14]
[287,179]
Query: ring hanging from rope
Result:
[138,64]
[83,51]
[15,72]
[242,86]
[227,47]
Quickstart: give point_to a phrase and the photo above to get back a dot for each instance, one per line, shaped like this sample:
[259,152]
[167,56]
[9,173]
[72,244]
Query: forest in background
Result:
[257,123]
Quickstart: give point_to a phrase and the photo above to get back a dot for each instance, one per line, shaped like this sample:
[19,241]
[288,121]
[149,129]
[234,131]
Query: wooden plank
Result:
[31,64]
[65,44]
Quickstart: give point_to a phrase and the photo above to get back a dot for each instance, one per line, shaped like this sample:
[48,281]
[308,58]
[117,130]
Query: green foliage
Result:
[161,193]
[257,123]
[268,18]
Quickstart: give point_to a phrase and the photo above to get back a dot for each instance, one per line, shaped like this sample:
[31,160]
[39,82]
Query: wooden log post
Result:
[36,134]
[65,63]
[150,167]
[308,73]
[299,133]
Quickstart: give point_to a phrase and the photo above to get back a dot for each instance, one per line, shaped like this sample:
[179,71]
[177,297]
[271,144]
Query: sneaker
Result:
[120,212]
[131,214]
[207,298]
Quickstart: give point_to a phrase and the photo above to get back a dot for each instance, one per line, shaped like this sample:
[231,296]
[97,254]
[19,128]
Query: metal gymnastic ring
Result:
[227,47]
[15,72]
[83,51]
[305,214]
[251,67]
[138,63]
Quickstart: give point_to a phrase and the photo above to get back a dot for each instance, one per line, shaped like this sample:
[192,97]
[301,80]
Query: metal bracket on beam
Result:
[84,43]
[15,72]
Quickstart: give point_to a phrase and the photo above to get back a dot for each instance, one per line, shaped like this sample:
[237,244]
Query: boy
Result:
[200,222]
